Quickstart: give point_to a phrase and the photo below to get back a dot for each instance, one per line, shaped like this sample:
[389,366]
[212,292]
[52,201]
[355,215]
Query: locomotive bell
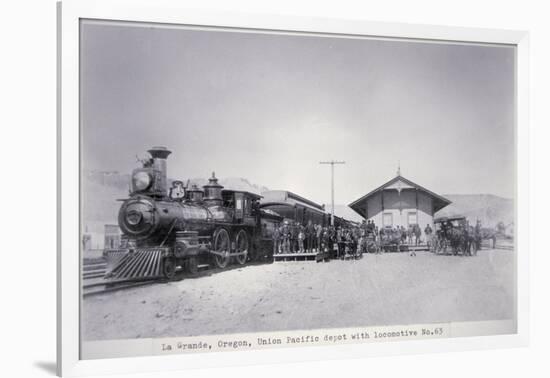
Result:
[213,191]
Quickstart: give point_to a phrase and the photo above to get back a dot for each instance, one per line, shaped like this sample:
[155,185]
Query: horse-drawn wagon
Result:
[391,239]
[454,235]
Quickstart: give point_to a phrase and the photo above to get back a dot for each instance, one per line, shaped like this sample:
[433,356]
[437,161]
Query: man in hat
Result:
[477,235]
[293,237]
[428,232]
[417,234]
[310,236]
[286,237]
[318,235]
[301,238]
[340,242]
[276,240]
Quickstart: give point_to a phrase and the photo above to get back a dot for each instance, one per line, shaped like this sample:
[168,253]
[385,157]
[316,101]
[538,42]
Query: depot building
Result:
[400,202]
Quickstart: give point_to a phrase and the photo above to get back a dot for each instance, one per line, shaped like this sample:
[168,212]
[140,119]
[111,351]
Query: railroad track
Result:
[101,287]
[94,270]
[93,273]
[94,281]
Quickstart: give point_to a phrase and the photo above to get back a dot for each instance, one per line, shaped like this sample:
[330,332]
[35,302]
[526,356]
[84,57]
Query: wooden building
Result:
[112,236]
[400,202]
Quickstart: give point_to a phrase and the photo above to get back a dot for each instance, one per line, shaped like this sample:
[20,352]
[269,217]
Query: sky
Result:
[269,107]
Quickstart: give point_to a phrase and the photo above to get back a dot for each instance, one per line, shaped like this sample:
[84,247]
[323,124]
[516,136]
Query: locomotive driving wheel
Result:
[222,246]
[241,243]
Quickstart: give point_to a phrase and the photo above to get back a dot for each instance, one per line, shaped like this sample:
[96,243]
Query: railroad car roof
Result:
[291,204]
[284,196]
[250,194]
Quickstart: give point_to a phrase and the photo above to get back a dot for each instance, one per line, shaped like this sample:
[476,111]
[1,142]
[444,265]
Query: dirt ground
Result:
[386,289]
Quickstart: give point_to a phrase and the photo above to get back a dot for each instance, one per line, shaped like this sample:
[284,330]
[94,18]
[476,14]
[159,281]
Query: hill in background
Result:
[488,208]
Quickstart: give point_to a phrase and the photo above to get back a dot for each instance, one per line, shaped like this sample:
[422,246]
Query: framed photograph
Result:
[238,189]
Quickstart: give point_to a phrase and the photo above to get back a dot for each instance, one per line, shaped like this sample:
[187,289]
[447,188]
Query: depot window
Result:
[388,219]
[412,218]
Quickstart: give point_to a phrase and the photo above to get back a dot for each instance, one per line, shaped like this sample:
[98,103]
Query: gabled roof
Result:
[439,201]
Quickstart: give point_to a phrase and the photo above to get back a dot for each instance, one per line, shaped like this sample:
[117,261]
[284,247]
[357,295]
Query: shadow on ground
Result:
[47,366]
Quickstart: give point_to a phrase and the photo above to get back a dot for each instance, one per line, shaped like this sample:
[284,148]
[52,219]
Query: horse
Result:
[486,234]
[463,240]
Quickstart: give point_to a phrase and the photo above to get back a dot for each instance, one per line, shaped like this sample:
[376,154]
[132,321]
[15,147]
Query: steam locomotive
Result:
[166,229]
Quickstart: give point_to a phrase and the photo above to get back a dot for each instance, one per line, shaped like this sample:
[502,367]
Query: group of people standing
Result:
[353,240]
[412,235]
[292,237]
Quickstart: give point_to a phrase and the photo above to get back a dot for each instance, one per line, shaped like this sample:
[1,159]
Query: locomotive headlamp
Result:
[142,180]
[133,217]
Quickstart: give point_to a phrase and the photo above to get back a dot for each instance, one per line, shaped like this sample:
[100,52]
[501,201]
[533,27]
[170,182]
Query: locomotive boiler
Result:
[170,227]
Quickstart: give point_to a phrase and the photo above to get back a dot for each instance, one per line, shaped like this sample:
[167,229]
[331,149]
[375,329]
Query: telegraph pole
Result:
[332,162]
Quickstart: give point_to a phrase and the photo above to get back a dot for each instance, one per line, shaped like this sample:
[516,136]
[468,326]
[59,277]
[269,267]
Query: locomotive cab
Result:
[244,206]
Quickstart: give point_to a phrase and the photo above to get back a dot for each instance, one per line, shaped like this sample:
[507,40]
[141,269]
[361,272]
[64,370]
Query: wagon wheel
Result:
[371,247]
[169,267]
[222,244]
[241,245]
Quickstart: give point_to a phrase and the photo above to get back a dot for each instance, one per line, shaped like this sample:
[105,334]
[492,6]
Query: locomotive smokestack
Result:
[159,155]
